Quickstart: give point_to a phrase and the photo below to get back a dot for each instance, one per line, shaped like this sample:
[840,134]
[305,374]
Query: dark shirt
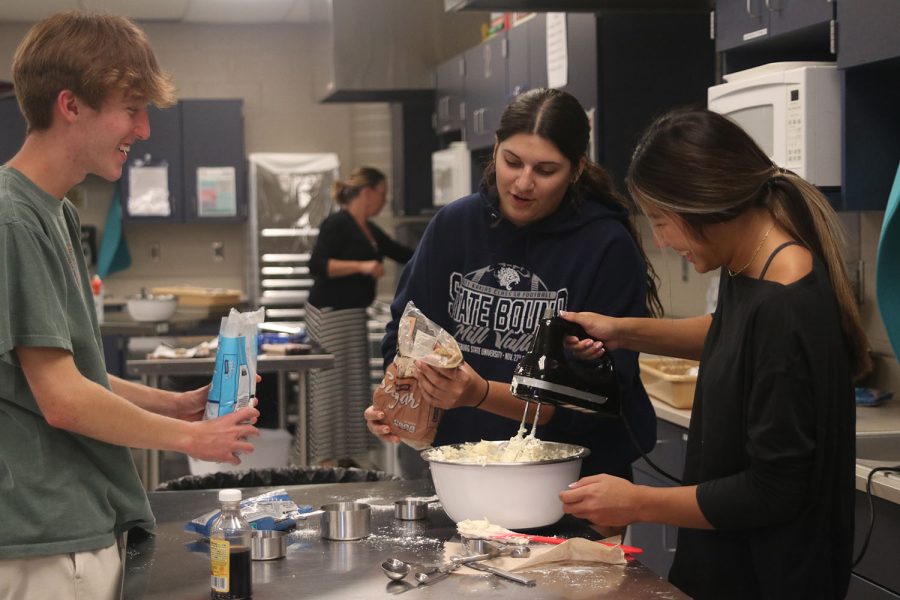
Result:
[341,238]
[771,445]
[487,282]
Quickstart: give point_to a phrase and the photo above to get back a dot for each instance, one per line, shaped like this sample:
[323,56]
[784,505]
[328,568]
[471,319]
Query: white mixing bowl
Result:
[511,495]
[152,307]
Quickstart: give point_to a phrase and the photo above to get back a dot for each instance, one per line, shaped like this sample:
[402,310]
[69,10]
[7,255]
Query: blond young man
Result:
[68,486]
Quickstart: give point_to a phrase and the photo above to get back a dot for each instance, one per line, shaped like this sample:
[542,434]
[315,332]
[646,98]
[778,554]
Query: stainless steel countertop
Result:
[206,366]
[164,567]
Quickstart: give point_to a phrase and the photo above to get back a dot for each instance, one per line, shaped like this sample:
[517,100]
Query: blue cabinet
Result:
[163,147]
[624,69]
[12,128]
[485,86]
[740,22]
[868,31]
[449,95]
[879,565]
[213,136]
[185,137]
[871,121]
[658,540]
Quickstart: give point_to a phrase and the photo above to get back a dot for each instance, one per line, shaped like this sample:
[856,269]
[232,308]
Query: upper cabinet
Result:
[869,53]
[12,128]
[740,22]
[868,32]
[213,156]
[862,36]
[485,88]
[665,6]
[449,93]
[623,68]
[191,168]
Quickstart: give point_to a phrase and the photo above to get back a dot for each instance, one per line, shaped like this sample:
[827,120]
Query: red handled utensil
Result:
[541,539]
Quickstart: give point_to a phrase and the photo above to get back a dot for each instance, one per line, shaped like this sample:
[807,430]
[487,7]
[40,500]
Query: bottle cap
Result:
[96,284]
[229,495]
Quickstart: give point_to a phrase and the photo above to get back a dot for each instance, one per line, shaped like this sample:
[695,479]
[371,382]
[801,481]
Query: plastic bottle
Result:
[97,288]
[229,551]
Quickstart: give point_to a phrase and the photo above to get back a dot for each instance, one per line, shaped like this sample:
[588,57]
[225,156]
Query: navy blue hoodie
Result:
[487,282]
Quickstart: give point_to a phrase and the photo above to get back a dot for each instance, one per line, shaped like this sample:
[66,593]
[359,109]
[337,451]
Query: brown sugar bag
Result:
[410,417]
[414,420]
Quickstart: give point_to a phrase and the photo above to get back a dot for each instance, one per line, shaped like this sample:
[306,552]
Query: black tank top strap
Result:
[774,252]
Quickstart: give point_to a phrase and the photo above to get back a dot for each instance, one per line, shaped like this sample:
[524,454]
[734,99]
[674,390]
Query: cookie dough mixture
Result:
[519,448]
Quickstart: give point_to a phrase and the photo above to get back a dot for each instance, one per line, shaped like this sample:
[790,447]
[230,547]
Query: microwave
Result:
[793,111]
[451,173]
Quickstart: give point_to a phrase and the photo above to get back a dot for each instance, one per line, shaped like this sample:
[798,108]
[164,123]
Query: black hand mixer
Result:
[547,374]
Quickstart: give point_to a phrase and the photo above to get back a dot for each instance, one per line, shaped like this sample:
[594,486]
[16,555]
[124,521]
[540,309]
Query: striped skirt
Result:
[338,396]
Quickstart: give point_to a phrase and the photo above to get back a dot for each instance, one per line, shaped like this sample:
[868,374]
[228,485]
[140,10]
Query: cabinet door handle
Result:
[750,9]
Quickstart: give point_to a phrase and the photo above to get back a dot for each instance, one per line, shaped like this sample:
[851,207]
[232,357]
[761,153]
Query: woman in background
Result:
[547,229]
[346,264]
[766,505]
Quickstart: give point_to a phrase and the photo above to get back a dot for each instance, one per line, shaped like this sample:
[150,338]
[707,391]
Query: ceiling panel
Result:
[141,10]
[238,11]
[195,11]
[33,10]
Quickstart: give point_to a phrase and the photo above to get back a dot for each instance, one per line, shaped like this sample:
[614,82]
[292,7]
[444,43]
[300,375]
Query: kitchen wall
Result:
[270,67]
[683,291]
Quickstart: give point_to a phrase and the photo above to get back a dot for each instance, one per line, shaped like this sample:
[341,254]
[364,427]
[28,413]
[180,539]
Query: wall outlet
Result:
[218,251]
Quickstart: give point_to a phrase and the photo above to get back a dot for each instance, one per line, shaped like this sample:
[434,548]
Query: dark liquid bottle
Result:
[229,551]
[239,576]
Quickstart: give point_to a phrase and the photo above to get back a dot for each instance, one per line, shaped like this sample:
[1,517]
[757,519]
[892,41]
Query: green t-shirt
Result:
[59,491]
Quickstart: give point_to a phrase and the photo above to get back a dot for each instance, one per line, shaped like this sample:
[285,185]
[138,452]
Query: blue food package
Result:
[230,389]
[269,510]
[871,396]
[234,377]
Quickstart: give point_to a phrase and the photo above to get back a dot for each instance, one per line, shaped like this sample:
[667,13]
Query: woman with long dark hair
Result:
[546,229]
[765,509]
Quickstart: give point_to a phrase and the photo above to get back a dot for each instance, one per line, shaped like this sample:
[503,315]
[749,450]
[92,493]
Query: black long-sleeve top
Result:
[771,445]
[341,238]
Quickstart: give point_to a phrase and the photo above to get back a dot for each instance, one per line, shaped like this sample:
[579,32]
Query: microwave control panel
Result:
[794,137]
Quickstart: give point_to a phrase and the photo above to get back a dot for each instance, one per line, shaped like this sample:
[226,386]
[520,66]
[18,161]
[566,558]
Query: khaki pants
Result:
[95,575]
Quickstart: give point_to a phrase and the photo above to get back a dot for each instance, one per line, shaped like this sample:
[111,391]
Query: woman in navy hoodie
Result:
[546,229]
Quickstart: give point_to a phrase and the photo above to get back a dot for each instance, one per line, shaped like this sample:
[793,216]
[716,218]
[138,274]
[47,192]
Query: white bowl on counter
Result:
[512,495]
[151,308]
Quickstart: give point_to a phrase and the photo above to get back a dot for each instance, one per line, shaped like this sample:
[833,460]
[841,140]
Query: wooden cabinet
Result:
[740,22]
[12,128]
[658,540]
[450,92]
[190,135]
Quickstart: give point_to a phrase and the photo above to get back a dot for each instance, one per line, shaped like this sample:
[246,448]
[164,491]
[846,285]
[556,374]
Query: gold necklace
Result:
[755,252]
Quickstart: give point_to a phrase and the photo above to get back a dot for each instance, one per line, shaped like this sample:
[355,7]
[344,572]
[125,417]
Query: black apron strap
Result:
[774,252]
